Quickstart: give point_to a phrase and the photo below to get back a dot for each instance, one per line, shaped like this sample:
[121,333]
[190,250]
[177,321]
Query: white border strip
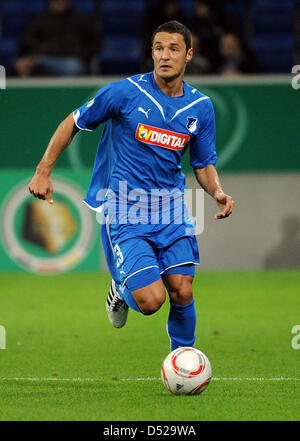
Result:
[98,209]
[179,264]
[190,105]
[138,271]
[75,117]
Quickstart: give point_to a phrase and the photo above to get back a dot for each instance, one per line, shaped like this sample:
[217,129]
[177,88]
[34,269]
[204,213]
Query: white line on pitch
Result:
[146,379]
[255,379]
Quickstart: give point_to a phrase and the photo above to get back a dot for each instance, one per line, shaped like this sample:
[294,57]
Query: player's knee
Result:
[182,294]
[149,308]
[151,304]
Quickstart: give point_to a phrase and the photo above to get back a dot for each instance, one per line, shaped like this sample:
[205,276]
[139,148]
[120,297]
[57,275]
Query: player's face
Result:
[170,55]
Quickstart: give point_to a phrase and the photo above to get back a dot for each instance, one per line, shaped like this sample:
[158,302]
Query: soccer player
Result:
[151,119]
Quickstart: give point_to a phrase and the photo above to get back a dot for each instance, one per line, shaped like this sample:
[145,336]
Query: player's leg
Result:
[150,297]
[136,277]
[178,270]
[116,308]
[181,323]
[144,290]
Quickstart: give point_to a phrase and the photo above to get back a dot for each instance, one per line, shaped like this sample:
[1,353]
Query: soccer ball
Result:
[186,371]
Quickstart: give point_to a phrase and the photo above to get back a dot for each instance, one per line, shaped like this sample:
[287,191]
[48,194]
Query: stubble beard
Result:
[168,79]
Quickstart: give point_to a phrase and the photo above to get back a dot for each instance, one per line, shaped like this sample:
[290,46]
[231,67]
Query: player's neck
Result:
[173,87]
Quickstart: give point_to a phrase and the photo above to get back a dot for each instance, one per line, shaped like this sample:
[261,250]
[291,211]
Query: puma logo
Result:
[140,109]
[142,78]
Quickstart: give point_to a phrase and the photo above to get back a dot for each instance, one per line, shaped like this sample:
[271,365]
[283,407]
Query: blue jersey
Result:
[146,134]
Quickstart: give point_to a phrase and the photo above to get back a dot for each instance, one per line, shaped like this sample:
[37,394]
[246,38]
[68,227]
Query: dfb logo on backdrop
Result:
[43,238]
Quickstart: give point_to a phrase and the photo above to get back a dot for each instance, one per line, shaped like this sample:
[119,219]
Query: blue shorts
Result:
[138,261]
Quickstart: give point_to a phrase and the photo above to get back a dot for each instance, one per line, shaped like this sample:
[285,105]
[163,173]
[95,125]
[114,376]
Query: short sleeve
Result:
[104,106]
[203,145]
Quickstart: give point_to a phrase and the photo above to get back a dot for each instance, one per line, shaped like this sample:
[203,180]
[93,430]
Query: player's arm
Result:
[40,185]
[209,180]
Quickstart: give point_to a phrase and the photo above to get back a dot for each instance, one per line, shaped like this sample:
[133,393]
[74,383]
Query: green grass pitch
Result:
[64,361]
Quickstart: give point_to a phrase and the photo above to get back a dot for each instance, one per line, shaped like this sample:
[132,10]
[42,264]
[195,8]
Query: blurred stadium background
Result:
[258,132]
[270,29]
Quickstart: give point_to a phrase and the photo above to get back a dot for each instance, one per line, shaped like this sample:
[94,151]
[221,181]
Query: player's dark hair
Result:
[173,27]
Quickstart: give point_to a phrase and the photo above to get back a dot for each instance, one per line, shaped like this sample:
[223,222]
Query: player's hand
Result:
[41,187]
[225,203]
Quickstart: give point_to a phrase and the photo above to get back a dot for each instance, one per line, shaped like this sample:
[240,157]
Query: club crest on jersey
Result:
[191,124]
[161,137]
